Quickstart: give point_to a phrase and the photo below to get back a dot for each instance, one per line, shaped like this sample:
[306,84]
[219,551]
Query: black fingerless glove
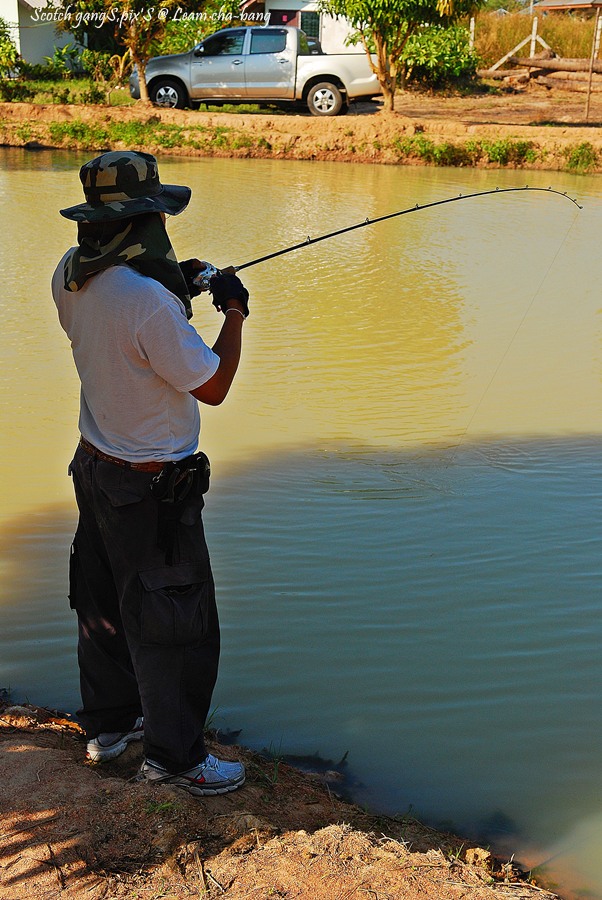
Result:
[228,287]
[189,272]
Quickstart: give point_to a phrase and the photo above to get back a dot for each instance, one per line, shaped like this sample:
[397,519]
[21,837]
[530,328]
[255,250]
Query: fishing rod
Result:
[208,270]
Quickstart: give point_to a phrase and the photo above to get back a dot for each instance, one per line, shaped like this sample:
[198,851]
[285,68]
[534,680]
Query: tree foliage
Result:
[182,32]
[384,27]
[8,49]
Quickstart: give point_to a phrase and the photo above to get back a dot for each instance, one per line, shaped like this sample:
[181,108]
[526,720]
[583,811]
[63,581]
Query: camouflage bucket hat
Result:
[125,183]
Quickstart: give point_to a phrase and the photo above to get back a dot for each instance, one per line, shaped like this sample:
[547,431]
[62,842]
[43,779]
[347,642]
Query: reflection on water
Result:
[405,516]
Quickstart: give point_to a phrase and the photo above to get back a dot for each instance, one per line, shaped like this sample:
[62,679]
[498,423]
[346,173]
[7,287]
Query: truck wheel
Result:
[168,92]
[325,99]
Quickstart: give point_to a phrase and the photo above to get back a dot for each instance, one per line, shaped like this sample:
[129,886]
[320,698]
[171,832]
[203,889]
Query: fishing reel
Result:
[204,275]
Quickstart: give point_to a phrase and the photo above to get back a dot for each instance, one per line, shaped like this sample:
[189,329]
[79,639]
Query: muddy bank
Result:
[526,131]
[72,829]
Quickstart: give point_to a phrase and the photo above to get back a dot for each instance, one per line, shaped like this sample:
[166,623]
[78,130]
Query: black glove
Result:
[228,287]
[189,270]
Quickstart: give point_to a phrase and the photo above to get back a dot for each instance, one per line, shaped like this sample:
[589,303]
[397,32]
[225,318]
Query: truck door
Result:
[218,66]
[270,65]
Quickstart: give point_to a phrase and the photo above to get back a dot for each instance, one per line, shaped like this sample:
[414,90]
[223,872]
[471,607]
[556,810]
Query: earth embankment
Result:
[73,829]
[527,130]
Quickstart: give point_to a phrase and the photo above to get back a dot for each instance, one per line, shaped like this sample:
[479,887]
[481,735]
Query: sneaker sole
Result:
[108,753]
[196,790]
[209,791]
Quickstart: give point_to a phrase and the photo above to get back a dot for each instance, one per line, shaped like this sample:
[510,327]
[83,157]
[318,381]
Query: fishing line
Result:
[457,447]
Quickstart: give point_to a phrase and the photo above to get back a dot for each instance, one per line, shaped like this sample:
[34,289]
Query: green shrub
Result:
[97,64]
[15,90]
[65,59]
[581,158]
[94,95]
[39,71]
[437,56]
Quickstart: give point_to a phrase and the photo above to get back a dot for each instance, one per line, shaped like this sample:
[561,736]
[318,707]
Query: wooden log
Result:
[582,77]
[556,65]
[562,85]
[501,73]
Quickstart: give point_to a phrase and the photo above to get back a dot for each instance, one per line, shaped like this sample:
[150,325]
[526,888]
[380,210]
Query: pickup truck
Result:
[263,65]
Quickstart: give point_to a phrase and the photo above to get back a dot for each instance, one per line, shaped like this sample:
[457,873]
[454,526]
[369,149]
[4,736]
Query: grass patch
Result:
[506,152]
[139,134]
[157,807]
[73,90]
[496,35]
[582,158]
[503,152]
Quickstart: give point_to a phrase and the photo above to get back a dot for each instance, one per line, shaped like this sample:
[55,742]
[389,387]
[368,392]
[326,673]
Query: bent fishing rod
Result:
[208,270]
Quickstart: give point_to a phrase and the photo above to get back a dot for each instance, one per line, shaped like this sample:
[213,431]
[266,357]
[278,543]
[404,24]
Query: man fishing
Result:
[140,578]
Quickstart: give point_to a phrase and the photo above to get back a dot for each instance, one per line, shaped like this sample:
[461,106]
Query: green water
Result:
[407,495]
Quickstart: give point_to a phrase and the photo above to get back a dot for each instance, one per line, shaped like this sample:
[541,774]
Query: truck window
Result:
[273,41]
[303,44]
[224,43]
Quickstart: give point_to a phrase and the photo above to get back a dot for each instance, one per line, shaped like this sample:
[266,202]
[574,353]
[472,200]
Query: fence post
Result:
[533,37]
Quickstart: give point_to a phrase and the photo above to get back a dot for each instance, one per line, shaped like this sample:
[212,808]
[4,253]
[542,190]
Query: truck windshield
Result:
[268,41]
[224,43]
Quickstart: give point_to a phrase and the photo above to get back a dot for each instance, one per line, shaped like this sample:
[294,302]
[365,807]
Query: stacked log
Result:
[564,74]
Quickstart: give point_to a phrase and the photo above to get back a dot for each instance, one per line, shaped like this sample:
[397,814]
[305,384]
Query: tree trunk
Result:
[386,77]
[388,98]
[141,64]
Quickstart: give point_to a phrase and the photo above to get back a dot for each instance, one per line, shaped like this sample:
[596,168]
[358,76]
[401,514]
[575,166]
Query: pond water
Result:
[406,513]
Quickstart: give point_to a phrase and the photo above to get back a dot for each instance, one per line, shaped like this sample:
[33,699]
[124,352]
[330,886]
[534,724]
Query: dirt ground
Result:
[552,120]
[73,829]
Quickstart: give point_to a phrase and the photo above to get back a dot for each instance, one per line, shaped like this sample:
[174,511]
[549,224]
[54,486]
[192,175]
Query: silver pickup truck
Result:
[269,64]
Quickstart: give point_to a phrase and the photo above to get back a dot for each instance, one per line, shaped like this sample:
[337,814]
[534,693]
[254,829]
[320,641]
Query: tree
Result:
[8,49]
[140,26]
[383,27]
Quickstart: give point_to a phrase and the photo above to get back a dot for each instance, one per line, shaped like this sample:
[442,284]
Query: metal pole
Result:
[595,49]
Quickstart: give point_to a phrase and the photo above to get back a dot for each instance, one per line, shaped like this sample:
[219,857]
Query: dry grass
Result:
[567,36]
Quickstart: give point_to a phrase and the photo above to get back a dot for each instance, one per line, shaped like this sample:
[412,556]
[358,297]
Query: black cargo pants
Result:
[148,632]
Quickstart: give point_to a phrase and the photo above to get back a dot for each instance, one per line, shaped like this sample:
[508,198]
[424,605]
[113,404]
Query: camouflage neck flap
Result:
[140,242]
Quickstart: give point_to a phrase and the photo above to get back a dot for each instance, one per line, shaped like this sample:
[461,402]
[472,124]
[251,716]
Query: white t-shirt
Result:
[137,357]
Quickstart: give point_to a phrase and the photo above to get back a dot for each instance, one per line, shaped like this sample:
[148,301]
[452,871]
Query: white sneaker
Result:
[110,744]
[212,776]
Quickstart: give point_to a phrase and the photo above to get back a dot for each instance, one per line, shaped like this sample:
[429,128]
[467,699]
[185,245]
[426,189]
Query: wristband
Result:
[234,309]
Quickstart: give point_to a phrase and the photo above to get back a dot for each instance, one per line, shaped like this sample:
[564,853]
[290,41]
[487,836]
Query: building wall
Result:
[333,32]
[34,39]
[38,39]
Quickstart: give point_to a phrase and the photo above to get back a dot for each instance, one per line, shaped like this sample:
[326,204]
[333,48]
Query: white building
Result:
[304,14]
[34,36]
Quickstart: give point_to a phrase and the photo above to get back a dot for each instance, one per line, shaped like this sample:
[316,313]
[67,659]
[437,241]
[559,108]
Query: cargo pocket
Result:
[175,602]
[120,486]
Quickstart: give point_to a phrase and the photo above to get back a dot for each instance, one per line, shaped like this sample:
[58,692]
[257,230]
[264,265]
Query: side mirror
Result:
[199,51]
